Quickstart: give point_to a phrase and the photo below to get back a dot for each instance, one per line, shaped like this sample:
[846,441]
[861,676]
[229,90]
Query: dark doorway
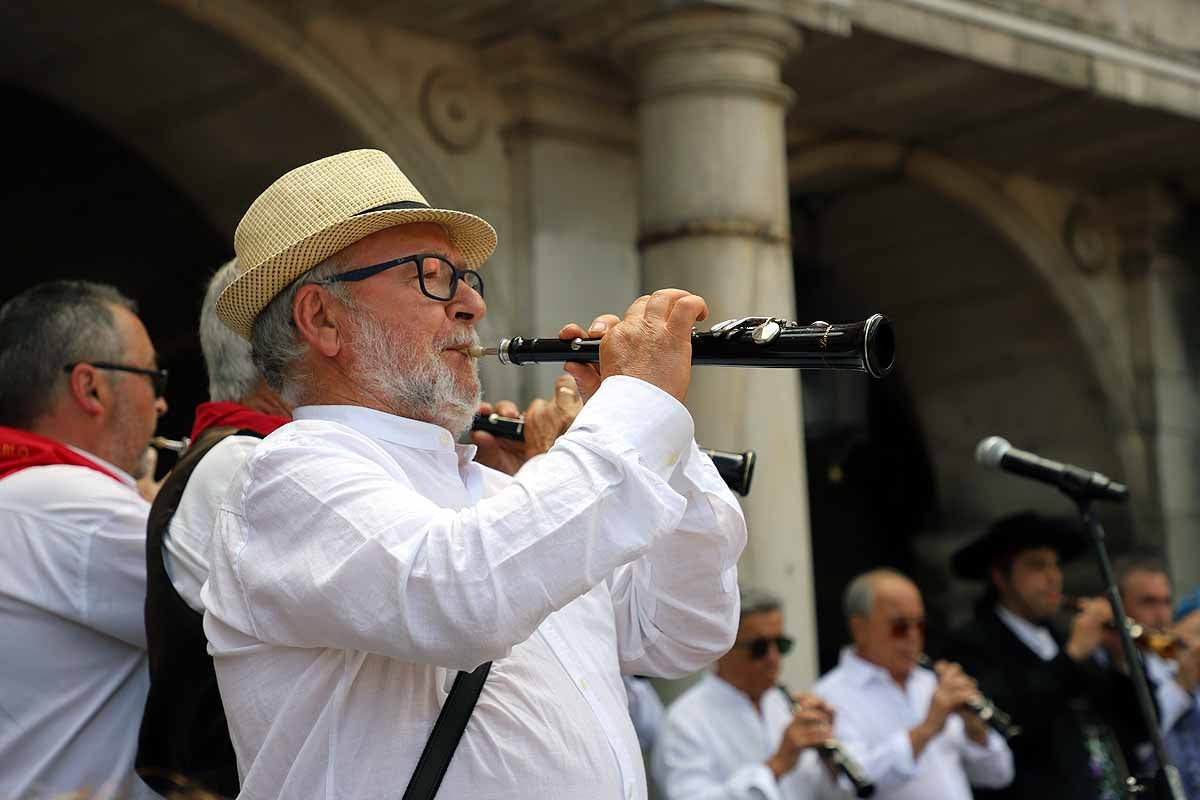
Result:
[80,204]
[870,480]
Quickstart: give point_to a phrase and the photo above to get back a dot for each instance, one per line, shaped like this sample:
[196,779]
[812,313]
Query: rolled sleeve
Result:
[677,606]
[989,765]
[330,545]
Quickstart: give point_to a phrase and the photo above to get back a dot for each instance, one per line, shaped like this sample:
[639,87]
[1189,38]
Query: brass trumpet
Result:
[1164,644]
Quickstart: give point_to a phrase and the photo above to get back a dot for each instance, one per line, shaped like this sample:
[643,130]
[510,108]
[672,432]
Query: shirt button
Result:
[445,440]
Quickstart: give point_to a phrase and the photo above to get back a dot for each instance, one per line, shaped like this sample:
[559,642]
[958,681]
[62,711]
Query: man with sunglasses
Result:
[908,726]
[80,394]
[362,564]
[1079,718]
[735,734]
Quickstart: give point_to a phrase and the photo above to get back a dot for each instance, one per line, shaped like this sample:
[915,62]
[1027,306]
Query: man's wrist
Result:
[780,766]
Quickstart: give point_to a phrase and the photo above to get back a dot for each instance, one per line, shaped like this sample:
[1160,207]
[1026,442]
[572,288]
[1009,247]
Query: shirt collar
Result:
[1035,637]
[863,672]
[118,473]
[388,427]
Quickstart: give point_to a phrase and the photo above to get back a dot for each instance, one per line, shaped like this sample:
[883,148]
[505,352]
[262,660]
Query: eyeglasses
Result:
[758,647]
[158,377]
[437,277]
[899,627]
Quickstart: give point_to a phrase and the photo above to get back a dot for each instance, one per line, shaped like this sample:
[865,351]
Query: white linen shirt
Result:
[874,716]
[73,675]
[360,559]
[715,744]
[185,546]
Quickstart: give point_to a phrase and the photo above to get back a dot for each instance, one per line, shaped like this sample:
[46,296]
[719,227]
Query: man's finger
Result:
[602,325]
[586,376]
[507,408]
[661,302]
[572,330]
[686,312]
[637,309]
[566,395]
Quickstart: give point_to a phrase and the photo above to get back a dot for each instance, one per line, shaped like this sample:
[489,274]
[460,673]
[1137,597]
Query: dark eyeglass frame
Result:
[758,647]
[468,276]
[900,626]
[158,377]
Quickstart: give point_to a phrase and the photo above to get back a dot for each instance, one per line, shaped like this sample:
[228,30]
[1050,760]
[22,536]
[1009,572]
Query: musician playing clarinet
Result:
[1079,717]
[909,726]
[364,569]
[734,735]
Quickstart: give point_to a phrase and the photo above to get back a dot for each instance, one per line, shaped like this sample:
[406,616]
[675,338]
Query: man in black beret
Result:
[1079,716]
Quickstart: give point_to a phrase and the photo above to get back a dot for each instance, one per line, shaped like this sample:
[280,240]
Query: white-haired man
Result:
[183,734]
[908,726]
[361,559]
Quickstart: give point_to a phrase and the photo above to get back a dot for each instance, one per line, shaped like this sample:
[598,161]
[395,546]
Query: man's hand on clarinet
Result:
[505,455]
[653,343]
[811,726]
[545,421]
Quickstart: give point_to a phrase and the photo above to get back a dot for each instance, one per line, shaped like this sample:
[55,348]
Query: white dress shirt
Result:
[715,744]
[73,674]
[645,710]
[874,716]
[185,547]
[1036,637]
[360,559]
[1173,700]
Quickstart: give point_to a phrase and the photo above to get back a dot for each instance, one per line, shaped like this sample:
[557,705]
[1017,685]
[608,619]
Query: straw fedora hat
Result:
[321,208]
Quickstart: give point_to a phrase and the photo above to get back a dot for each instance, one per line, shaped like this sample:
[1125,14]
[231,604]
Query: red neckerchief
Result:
[21,449]
[233,415]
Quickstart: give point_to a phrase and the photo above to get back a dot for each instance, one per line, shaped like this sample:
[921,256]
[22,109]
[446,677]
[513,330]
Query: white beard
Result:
[417,385]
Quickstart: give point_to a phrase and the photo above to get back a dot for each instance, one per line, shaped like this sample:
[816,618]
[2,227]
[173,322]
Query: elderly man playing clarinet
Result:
[363,567]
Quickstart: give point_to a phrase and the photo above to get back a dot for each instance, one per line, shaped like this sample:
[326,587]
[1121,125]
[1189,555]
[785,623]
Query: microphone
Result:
[1077,482]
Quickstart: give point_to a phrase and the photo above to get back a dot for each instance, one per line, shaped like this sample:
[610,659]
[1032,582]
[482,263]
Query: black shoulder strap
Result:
[447,732]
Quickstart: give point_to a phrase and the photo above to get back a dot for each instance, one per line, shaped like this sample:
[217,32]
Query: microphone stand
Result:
[1167,781]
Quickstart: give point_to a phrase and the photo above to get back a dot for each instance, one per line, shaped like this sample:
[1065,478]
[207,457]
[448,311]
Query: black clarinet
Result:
[984,708]
[832,751]
[868,346]
[736,469]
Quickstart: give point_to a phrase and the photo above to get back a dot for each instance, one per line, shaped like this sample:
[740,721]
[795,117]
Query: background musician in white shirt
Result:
[908,726]
[735,734]
[80,395]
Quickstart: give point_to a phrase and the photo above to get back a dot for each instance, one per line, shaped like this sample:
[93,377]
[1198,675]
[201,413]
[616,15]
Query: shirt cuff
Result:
[755,776]
[647,419]
[902,761]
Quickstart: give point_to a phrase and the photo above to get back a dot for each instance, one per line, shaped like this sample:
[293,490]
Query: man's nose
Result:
[160,406]
[467,305]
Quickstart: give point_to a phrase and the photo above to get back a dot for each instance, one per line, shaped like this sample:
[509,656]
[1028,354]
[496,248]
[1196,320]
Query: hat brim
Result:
[974,561]
[242,301]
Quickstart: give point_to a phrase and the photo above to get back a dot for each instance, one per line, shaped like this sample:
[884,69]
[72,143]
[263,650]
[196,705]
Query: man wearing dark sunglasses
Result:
[908,726]
[736,734]
[80,393]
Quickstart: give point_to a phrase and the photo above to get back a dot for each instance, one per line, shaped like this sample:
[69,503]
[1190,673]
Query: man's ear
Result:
[316,318]
[857,624]
[87,390]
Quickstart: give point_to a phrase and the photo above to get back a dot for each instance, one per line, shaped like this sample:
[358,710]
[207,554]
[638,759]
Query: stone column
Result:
[1162,293]
[713,211]
[570,141]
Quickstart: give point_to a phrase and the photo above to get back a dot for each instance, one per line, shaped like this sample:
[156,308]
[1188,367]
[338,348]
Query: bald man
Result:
[880,693]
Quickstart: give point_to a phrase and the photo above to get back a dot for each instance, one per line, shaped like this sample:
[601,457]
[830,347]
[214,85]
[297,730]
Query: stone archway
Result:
[997,332]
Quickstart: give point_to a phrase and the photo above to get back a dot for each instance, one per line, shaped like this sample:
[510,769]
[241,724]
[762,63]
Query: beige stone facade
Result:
[1004,178]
